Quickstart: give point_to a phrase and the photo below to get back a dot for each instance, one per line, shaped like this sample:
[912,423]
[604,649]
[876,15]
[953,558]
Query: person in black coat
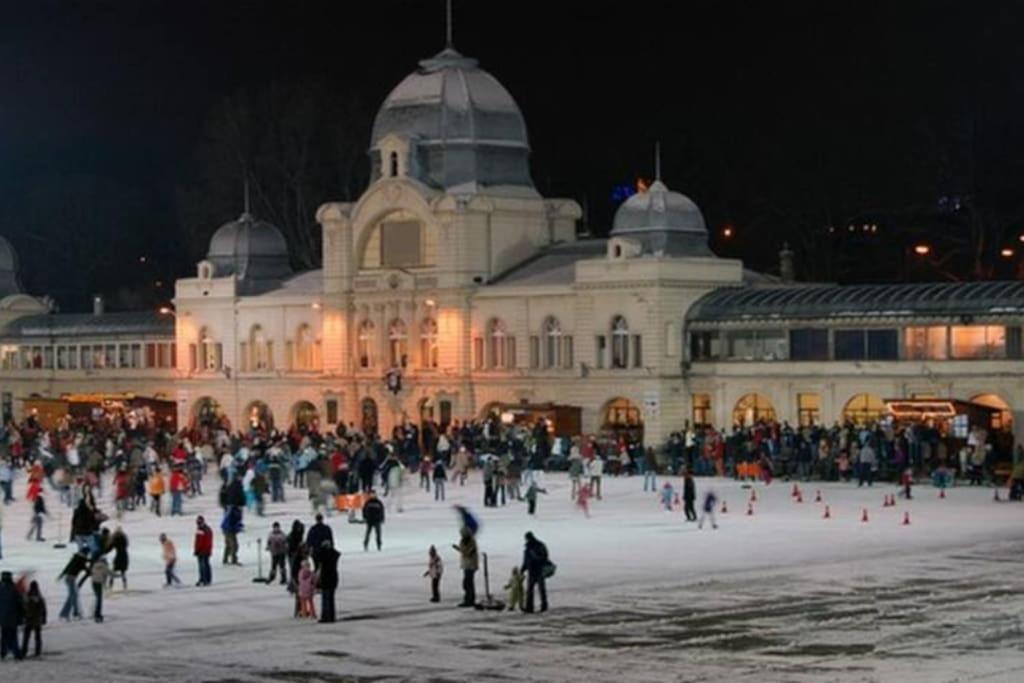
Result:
[535,561]
[366,469]
[119,544]
[328,573]
[689,497]
[318,533]
[373,515]
[12,613]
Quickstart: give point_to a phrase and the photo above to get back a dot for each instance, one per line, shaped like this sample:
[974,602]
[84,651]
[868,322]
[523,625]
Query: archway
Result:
[305,416]
[207,412]
[369,416]
[864,409]
[1001,421]
[622,417]
[258,416]
[753,408]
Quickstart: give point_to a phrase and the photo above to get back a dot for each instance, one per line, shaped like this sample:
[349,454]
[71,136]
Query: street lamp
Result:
[922,249]
[167,310]
[1006,252]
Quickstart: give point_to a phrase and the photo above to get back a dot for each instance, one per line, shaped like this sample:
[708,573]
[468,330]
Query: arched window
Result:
[364,344]
[552,343]
[398,344]
[428,344]
[864,409]
[209,351]
[500,346]
[260,357]
[305,353]
[752,409]
[620,342]
[393,164]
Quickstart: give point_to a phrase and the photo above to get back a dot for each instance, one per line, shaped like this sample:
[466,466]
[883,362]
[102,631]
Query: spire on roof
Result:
[448,42]
[657,160]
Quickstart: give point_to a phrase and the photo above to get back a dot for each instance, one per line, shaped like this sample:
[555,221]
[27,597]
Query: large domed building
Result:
[452,290]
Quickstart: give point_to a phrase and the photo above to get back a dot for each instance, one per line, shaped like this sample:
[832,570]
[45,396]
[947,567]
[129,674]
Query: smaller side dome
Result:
[665,222]
[9,282]
[250,249]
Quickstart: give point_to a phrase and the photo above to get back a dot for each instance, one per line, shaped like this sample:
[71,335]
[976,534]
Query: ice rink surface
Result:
[640,595]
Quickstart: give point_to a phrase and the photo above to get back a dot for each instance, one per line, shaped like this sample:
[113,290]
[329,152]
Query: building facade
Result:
[452,288]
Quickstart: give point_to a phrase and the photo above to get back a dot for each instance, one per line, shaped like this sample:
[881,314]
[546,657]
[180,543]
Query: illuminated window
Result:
[701,412]
[977,341]
[398,344]
[364,344]
[808,408]
[620,343]
[925,343]
[621,412]
[552,343]
[260,350]
[753,408]
[428,344]
[305,350]
[864,409]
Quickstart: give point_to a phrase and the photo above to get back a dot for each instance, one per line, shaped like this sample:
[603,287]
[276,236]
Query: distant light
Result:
[1006,252]
[317,305]
[1021,238]
[430,302]
[166,310]
[159,283]
[922,249]
[727,232]
[142,259]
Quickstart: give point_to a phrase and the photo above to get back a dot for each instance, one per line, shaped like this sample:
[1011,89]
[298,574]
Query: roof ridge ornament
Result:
[449,43]
[657,160]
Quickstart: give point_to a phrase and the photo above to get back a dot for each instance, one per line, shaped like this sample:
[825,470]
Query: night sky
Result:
[780,119]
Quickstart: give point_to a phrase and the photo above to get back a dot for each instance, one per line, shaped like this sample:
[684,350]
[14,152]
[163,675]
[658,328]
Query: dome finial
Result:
[657,160]
[448,41]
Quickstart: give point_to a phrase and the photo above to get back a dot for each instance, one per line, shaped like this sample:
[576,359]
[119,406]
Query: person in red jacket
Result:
[179,486]
[202,549]
[122,490]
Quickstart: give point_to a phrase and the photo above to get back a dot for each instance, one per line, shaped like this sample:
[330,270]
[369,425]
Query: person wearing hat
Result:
[202,548]
[277,546]
[12,614]
[373,515]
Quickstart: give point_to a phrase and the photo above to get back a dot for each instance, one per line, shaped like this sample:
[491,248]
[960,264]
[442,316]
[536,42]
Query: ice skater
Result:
[435,568]
[514,590]
[667,493]
[170,558]
[583,500]
[710,499]
[689,496]
[531,497]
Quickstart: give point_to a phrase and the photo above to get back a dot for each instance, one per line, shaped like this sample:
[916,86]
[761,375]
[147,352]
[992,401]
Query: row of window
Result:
[89,356]
[938,342]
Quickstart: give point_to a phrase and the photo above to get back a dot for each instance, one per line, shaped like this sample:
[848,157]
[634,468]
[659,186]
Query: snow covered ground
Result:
[782,595]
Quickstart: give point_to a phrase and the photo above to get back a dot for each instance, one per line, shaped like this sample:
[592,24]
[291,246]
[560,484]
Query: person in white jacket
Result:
[595,470]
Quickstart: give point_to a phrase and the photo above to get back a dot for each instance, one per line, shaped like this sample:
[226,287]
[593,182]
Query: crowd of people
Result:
[138,463]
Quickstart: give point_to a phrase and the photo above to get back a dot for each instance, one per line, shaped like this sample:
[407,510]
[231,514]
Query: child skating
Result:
[514,590]
[435,568]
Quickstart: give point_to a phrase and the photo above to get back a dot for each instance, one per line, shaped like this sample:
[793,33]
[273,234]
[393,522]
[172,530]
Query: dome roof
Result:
[250,249]
[464,124]
[9,283]
[664,221]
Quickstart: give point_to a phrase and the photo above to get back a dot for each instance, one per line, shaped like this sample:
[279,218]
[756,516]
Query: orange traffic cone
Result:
[864,515]
[906,518]
[942,493]
[828,513]
[817,496]
[753,495]
[724,508]
[750,509]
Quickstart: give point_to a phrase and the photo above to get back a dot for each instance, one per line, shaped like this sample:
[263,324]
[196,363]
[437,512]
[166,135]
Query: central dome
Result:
[466,130]
[664,221]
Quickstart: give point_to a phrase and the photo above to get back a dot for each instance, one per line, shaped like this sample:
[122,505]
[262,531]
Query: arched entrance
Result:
[305,416]
[259,417]
[753,408]
[1001,421]
[622,418]
[207,412]
[370,419]
[864,409]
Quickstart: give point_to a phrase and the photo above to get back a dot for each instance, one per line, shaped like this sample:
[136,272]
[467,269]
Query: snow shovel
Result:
[259,578]
[489,602]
